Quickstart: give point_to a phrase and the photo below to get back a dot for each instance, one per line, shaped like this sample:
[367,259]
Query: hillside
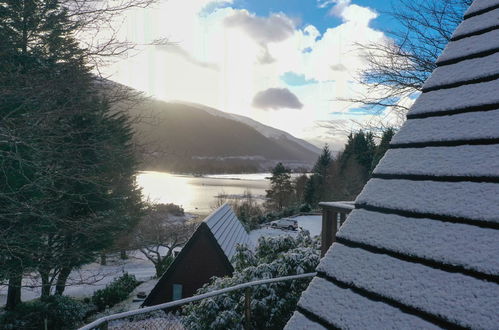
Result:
[186,137]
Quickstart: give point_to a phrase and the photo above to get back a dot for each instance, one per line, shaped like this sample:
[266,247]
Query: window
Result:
[177,292]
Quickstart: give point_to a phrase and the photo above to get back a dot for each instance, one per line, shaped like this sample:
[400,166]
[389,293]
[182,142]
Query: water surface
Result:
[198,194]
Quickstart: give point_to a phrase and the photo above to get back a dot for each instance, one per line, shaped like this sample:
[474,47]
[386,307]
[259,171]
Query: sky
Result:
[284,63]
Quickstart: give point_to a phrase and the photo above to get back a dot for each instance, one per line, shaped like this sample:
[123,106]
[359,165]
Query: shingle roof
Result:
[227,230]
[421,248]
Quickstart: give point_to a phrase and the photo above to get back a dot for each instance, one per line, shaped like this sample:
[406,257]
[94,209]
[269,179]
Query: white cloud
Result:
[339,7]
[224,57]
[274,28]
[276,98]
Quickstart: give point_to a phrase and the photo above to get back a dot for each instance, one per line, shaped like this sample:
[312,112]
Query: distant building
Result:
[207,253]
[421,248]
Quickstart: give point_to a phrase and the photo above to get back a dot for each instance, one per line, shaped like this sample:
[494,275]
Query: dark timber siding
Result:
[200,260]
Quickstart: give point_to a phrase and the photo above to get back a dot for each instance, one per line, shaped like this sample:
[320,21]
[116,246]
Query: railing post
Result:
[329,228]
[334,215]
[247,309]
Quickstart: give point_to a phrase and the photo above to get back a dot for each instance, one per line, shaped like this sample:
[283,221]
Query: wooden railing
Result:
[333,216]
[164,323]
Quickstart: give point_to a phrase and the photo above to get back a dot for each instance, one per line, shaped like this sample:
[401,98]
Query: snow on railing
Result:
[103,321]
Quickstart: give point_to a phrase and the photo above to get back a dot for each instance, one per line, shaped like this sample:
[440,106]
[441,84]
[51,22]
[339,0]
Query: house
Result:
[421,247]
[208,253]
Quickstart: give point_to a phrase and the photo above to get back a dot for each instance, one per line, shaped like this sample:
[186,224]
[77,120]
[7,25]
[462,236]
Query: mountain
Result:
[270,132]
[192,138]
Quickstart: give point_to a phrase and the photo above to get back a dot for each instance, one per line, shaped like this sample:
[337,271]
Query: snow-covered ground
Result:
[91,277]
[312,223]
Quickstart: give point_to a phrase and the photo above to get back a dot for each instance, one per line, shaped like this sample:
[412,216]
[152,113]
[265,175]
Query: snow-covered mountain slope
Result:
[267,131]
[191,138]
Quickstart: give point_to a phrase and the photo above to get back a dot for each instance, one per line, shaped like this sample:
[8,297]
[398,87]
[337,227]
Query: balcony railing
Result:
[334,215]
[161,317]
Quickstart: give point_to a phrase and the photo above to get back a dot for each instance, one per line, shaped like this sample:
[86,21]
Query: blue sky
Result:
[309,11]
[290,64]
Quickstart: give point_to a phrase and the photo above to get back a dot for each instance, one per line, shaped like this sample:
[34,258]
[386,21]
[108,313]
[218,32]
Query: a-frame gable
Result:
[205,255]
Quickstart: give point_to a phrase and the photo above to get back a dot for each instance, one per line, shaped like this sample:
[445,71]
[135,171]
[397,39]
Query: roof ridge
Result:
[423,261]
[474,108]
[475,33]
[315,318]
[469,14]
[491,77]
[468,57]
[432,318]
[212,214]
[222,217]
[447,143]
[433,216]
[440,178]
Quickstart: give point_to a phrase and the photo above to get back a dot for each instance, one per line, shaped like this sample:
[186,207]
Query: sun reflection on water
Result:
[197,194]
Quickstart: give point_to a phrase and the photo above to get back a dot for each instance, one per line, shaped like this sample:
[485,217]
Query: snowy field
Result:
[91,277]
[312,223]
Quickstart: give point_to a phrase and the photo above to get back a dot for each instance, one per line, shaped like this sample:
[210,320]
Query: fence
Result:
[162,317]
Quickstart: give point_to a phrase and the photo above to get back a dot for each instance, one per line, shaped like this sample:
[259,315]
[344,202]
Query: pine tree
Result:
[67,184]
[280,194]
[317,187]
[382,147]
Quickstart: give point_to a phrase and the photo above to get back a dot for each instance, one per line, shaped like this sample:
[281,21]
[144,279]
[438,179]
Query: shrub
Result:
[61,312]
[171,208]
[116,291]
[305,208]
[272,304]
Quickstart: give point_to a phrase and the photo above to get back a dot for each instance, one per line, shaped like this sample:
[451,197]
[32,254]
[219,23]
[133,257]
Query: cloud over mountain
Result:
[276,98]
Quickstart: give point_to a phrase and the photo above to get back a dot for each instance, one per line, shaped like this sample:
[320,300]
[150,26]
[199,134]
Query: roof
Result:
[221,227]
[227,230]
[421,247]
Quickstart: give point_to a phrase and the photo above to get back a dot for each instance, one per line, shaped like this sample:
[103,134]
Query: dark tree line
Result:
[67,165]
[333,178]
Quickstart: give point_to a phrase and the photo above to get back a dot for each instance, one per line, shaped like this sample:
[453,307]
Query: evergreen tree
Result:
[382,147]
[360,148]
[280,194]
[317,187]
[299,186]
[67,169]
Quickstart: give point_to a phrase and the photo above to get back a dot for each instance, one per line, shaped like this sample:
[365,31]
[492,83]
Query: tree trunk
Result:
[14,291]
[61,280]
[159,269]
[103,259]
[44,275]
[123,255]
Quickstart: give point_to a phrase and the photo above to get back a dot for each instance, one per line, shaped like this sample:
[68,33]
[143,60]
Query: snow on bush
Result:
[60,312]
[271,304]
[115,292]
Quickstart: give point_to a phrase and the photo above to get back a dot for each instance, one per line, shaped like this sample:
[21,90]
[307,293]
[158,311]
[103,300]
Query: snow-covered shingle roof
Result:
[227,230]
[421,248]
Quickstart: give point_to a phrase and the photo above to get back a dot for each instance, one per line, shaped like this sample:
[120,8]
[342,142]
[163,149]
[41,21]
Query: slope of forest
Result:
[186,138]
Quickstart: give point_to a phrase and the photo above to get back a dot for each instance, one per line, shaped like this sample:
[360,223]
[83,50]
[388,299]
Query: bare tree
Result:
[398,66]
[159,233]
